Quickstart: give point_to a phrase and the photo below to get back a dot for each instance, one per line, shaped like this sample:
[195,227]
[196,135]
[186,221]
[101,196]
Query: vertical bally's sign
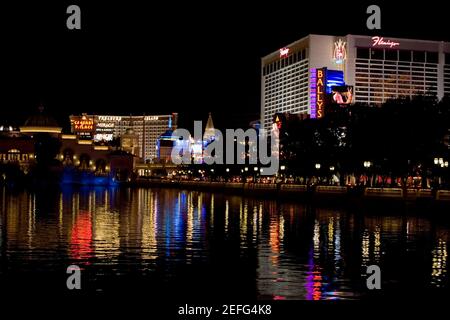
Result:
[320,92]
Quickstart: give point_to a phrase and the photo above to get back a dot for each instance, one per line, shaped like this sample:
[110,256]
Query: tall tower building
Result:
[295,78]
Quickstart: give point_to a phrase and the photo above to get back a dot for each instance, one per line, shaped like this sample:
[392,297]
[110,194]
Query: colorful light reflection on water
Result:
[215,245]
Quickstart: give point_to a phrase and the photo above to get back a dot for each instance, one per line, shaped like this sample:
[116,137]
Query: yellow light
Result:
[40,129]
[69,137]
[85,141]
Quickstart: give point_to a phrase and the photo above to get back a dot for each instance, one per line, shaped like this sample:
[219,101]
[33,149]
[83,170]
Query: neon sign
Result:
[284,52]
[312,93]
[105,125]
[379,41]
[150,118]
[340,52]
[83,125]
[320,92]
[109,118]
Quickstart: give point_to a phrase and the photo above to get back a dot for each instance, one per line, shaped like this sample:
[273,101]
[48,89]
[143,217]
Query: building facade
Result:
[377,69]
[106,128]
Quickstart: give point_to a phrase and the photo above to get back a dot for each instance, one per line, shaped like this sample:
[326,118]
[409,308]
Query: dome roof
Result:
[41,120]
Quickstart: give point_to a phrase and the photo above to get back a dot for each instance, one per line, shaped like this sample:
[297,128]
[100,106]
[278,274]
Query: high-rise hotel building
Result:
[378,68]
[147,129]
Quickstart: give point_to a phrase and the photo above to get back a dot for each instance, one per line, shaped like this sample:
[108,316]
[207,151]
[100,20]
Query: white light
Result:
[331,168]
[261,170]
[255,168]
[246,169]
[227,170]
[317,165]
[212,170]
[441,161]
[282,167]
[436,160]
[446,164]
[284,52]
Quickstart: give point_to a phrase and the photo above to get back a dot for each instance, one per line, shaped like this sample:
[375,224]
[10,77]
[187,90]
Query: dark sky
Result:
[187,56]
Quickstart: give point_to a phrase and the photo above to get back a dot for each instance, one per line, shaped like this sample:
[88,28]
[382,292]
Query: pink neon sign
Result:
[379,41]
[284,52]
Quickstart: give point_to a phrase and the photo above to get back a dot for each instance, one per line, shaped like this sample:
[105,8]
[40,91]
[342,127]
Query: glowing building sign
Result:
[334,78]
[284,52]
[312,93]
[83,125]
[151,118]
[105,125]
[340,51]
[109,118]
[380,42]
[320,92]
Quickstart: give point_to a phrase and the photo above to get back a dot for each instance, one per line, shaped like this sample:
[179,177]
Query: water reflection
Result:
[261,248]
[439,264]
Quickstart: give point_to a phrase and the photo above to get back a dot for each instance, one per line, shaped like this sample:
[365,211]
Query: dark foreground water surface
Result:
[195,245]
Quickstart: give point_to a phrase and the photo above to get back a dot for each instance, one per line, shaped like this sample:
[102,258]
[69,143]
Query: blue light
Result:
[334,78]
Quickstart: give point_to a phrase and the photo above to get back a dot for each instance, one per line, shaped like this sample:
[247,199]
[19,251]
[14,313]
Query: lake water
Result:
[204,246]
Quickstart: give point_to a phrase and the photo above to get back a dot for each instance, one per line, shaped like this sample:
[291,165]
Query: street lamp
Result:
[227,169]
[331,168]
[367,164]
[317,166]
[446,164]
[283,168]
[255,169]
[246,169]
[436,161]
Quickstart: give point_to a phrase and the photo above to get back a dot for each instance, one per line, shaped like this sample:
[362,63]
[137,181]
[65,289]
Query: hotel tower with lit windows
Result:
[146,128]
[373,69]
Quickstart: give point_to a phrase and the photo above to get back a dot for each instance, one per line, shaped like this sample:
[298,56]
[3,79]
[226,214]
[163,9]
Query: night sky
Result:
[187,57]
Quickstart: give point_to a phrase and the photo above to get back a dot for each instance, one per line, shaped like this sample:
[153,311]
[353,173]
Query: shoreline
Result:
[304,192]
[318,194]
